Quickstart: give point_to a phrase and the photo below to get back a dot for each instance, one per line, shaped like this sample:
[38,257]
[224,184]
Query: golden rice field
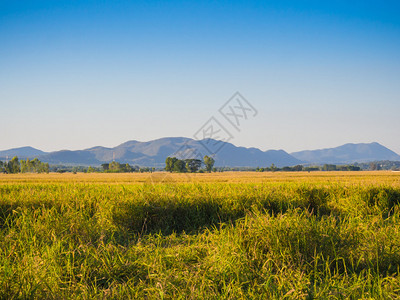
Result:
[232,235]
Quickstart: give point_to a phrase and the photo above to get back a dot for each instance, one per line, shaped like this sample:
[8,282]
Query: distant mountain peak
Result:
[22,152]
[348,153]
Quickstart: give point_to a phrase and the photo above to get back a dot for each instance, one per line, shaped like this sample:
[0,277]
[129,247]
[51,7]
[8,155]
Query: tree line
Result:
[191,165]
[300,168]
[24,166]
[116,167]
[173,164]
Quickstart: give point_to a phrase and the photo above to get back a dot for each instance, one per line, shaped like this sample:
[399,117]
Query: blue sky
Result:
[75,74]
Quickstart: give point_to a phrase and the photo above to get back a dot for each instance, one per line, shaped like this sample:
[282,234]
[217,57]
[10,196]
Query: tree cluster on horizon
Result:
[299,168]
[116,167]
[24,166]
[191,165]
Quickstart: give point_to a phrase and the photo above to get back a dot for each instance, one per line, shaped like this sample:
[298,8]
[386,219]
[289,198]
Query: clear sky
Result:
[76,74]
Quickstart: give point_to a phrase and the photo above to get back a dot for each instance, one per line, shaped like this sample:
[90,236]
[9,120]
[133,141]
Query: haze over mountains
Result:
[348,153]
[154,153]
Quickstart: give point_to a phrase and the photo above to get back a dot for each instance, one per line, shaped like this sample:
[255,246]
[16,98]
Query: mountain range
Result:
[348,153]
[153,154]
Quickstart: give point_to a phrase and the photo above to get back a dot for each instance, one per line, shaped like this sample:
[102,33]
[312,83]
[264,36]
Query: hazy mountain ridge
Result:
[348,153]
[153,154]
[22,152]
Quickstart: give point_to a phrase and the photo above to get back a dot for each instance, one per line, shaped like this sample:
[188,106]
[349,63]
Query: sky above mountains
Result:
[75,74]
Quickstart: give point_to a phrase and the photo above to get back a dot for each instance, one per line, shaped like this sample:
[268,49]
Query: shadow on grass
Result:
[10,211]
[170,217]
[6,215]
[178,216]
[385,198]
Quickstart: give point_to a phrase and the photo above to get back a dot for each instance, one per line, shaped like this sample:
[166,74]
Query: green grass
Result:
[274,240]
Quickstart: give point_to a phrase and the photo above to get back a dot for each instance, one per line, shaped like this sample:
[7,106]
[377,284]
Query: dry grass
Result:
[367,177]
[322,235]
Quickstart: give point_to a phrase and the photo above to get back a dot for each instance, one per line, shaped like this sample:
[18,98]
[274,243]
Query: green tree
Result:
[46,168]
[179,166]
[193,165]
[298,168]
[42,167]
[209,162]
[273,168]
[328,167]
[128,168]
[353,168]
[170,164]
[34,165]
[115,167]
[24,165]
[28,165]
[14,165]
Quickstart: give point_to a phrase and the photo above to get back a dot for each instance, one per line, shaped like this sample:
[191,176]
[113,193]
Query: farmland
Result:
[239,235]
